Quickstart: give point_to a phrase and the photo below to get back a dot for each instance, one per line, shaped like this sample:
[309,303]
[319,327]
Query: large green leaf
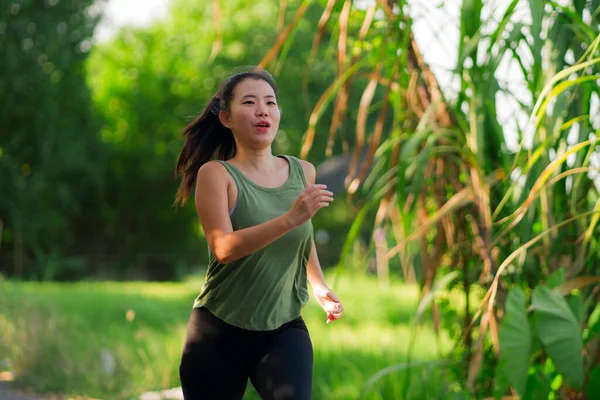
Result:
[577,308]
[559,331]
[515,340]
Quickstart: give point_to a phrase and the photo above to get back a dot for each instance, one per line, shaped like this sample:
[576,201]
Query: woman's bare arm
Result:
[313,269]
[323,294]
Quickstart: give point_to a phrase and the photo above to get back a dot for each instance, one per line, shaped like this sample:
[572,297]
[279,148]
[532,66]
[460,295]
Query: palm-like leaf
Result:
[444,180]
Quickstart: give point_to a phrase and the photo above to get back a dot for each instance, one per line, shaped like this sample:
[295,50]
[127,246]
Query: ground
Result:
[10,394]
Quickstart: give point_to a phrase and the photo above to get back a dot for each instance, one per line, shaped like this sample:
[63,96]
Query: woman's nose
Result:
[262,111]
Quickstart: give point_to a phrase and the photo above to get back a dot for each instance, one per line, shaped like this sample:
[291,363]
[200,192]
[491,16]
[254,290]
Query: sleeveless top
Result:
[267,288]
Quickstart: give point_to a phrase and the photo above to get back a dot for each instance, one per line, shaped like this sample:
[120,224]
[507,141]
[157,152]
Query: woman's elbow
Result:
[222,253]
[223,248]
[224,259]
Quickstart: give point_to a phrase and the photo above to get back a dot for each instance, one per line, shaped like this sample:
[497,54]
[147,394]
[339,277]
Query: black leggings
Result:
[218,359]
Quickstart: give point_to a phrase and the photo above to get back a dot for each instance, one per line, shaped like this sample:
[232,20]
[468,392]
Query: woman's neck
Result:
[259,160]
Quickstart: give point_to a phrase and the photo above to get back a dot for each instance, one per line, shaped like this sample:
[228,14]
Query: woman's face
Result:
[254,114]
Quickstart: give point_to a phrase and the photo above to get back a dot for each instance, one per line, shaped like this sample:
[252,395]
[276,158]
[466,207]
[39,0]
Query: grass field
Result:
[115,340]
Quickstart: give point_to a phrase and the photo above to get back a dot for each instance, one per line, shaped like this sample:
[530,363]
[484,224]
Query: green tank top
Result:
[267,288]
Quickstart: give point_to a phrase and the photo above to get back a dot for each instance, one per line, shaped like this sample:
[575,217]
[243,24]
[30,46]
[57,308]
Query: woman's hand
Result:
[311,199]
[329,301]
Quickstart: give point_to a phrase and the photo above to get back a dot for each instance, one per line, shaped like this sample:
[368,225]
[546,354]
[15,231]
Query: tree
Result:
[50,158]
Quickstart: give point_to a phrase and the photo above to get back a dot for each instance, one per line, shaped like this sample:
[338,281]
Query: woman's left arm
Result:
[323,294]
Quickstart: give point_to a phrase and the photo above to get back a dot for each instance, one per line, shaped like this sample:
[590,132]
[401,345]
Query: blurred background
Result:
[459,137]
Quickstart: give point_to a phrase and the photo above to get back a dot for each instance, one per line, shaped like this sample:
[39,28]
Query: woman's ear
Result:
[224,118]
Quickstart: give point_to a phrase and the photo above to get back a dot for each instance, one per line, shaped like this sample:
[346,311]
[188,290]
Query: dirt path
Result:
[10,394]
[6,393]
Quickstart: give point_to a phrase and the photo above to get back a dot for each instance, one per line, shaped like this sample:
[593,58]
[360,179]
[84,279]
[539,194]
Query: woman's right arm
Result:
[228,245]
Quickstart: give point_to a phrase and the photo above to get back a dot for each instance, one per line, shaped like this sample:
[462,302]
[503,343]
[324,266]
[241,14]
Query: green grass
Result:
[55,335]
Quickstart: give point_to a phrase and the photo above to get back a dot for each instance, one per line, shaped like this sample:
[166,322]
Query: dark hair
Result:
[206,137]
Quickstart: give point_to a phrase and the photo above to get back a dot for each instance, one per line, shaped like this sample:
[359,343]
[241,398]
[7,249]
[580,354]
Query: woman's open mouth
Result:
[263,126]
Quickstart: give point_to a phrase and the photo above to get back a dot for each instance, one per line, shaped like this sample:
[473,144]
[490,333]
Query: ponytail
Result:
[207,137]
[204,138]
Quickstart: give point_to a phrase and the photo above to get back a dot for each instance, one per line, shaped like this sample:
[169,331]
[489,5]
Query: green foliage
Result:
[51,162]
[515,341]
[593,387]
[98,167]
[85,174]
[538,386]
[454,196]
[559,331]
[556,278]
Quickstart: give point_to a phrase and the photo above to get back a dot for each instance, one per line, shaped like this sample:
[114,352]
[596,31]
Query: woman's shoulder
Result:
[211,166]
[308,168]
[213,170]
[303,162]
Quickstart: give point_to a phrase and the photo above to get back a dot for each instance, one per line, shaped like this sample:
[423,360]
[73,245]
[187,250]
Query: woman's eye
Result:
[248,102]
[272,103]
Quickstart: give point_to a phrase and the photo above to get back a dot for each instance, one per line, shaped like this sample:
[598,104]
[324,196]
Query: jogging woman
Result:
[255,209]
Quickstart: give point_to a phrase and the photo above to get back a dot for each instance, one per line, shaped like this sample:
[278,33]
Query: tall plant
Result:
[442,183]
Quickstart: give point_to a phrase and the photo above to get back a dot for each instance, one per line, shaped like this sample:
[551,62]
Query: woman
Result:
[255,210]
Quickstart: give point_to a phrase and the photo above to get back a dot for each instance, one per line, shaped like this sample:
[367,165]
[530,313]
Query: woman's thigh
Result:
[284,370]
[214,362]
